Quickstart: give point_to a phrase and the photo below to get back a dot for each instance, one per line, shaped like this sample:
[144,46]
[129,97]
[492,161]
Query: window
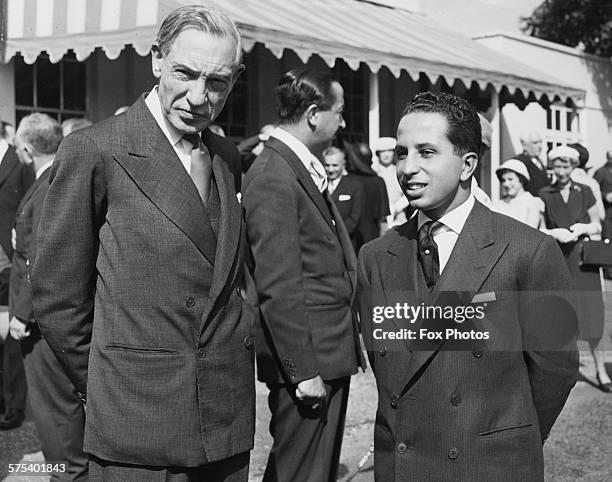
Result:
[234,116]
[355,85]
[56,89]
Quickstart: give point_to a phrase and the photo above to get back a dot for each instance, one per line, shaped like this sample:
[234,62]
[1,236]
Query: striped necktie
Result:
[201,166]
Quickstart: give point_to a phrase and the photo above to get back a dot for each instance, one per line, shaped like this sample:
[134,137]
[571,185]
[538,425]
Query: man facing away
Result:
[452,409]
[58,413]
[303,268]
[138,268]
[345,190]
[532,147]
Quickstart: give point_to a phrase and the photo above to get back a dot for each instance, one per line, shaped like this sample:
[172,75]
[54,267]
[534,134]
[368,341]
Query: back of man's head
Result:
[464,131]
[205,18]
[300,88]
[41,132]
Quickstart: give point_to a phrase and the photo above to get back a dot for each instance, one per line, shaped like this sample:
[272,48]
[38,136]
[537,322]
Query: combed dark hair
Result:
[42,132]
[464,130]
[207,19]
[300,88]
[583,154]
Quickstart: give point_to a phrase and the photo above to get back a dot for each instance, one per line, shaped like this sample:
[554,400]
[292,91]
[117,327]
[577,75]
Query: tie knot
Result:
[427,229]
[193,139]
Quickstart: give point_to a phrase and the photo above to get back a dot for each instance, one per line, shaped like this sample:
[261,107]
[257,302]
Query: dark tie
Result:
[428,253]
[201,167]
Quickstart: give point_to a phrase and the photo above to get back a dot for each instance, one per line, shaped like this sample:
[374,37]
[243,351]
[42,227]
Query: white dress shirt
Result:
[312,164]
[181,146]
[43,168]
[448,229]
[3,148]
[333,184]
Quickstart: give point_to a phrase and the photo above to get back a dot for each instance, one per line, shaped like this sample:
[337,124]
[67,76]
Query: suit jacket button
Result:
[477,352]
[395,401]
[248,342]
[456,399]
[401,448]
[382,351]
[201,353]
[189,302]
[453,453]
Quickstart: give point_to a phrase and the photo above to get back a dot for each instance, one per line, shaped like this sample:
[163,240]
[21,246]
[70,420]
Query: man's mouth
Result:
[412,188]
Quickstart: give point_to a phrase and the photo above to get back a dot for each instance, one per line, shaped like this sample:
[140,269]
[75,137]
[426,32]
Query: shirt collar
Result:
[154,105]
[299,148]
[453,220]
[43,168]
[3,148]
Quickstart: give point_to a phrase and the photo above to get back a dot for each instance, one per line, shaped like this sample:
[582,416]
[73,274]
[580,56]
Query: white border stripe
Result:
[75,16]
[44,18]
[110,17]
[146,12]
[16,17]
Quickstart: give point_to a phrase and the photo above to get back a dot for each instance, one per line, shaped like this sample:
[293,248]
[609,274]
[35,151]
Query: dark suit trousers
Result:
[14,385]
[58,413]
[232,469]
[306,442]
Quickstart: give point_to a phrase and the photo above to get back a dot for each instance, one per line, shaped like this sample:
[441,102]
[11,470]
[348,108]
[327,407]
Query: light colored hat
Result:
[565,152]
[514,165]
[384,144]
[486,130]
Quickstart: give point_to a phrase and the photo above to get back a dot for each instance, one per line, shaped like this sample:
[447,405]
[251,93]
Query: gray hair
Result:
[333,151]
[211,20]
[41,132]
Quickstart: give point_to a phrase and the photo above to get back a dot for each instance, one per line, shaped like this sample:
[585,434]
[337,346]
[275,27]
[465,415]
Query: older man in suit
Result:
[57,411]
[532,147]
[139,266]
[15,179]
[471,395]
[304,271]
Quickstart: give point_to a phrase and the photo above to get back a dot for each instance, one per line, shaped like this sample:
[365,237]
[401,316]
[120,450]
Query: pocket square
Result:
[484,297]
[344,197]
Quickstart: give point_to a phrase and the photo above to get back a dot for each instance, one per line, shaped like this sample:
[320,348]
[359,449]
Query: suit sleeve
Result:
[357,204]
[549,323]
[271,210]
[23,309]
[364,303]
[64,275]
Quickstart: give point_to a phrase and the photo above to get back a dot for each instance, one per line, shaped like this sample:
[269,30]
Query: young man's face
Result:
[334,166]
[428,170]
[329,122]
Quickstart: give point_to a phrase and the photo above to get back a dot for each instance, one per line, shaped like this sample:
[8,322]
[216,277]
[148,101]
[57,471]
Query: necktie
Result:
[428,253]
[318,171]
[201,167]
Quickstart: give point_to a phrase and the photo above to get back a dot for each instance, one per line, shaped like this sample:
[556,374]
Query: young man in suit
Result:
[346,191]
[304,272]
[139,265]
[532,147]
[471,395]
[58,413]
[15,179]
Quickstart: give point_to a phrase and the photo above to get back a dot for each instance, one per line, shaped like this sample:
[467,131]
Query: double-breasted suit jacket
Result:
[479,413]
[139,296]
[305,272]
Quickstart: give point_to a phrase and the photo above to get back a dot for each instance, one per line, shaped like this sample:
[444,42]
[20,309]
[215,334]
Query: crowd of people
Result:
[147,261]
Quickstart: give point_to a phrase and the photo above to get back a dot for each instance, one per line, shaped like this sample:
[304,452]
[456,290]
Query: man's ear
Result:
[312,116]
[470,163]
[156,61]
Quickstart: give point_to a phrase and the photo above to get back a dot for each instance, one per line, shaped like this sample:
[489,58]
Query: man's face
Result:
[22,152]
[532,145]
[562,169]
[334,166]
[195,78]
[386,158]
[330,121]
[428,170]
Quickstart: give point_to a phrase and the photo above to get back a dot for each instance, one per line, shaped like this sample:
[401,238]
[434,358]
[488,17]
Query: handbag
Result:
[595,253]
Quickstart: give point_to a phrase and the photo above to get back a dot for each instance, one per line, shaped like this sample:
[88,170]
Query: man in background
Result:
[58,413]
[532,147]
[384,149]
[15,179]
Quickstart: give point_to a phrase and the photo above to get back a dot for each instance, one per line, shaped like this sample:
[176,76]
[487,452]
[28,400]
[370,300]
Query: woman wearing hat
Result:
[571,215]
[516,202]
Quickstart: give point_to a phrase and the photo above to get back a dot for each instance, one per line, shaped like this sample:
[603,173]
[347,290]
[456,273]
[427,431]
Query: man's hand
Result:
[18,329]
[311,391]
[562,235]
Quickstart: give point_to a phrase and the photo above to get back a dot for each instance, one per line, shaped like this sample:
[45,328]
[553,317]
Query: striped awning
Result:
[354,30]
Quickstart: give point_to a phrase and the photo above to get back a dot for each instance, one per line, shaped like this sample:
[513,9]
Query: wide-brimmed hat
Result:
[563,152]
[515,166]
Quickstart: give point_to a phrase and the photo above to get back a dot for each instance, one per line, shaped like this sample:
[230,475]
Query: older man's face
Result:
[532,144]
[195,78]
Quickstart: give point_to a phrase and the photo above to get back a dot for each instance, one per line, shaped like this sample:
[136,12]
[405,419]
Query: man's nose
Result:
[407,165]
[197,93]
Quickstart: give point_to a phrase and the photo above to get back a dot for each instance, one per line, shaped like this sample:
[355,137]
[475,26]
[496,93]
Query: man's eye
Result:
[217,85]
[427,153]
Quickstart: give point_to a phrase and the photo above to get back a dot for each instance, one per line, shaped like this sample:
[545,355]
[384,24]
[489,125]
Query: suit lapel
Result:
[350,259]
[303,177]
[153,165]
[7,165]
